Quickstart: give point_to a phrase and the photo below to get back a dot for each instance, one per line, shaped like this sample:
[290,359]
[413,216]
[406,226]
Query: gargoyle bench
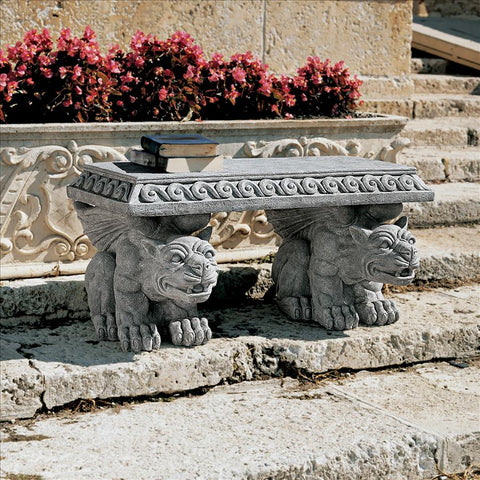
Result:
[154,264]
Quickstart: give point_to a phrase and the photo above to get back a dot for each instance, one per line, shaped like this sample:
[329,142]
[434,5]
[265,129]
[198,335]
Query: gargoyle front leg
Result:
[332,306]
[135,332]
[372,307]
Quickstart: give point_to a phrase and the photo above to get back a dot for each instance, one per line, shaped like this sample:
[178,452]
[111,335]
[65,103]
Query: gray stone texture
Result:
[332,263]
[67,363]
[396,425]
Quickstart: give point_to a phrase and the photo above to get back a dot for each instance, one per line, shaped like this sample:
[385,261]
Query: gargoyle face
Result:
[388,253]
[184,269]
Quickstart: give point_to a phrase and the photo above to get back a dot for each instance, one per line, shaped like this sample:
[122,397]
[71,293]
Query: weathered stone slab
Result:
[391,425]
[248,343]
[439,398]
[21,387]
[45,298]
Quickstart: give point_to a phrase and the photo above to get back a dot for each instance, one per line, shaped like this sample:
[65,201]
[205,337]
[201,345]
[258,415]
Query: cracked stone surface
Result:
[66,363]
[393,425]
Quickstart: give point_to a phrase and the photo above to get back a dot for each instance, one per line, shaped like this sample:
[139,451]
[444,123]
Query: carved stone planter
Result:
[41,234]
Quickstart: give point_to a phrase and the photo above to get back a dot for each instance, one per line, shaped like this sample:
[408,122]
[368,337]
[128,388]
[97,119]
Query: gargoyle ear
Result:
[402,222]
[360,235]
[148,247]
[205,234]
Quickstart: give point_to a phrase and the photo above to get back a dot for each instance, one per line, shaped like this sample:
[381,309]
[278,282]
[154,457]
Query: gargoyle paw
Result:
[342,317]
[190,332]
[139,337]
[297,308]
[105,326]
[379,312]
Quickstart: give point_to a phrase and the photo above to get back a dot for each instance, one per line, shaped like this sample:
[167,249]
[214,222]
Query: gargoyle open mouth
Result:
[406,272]
[399,277]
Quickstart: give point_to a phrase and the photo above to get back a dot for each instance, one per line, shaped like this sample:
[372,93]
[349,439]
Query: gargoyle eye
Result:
[209,254]
[411,240]
[176,258]
[385,244]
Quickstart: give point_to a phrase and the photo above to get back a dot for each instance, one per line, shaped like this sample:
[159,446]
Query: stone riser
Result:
[443,131]
[426,107]
[444,164]
[446,84]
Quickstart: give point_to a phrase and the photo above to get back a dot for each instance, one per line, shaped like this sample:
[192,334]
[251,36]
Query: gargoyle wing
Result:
[104,227]
[101,226]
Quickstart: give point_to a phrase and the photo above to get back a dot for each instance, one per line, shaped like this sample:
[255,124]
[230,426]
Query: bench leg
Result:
[150,280]
[332,270]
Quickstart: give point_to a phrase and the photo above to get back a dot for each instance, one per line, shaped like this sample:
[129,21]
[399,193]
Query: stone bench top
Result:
[249,184]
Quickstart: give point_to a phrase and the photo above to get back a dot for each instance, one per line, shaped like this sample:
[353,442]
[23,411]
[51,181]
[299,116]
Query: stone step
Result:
[449,253]
[454,204]
[443,163]
[426,106]
[50,367]
[443,131]
[407,423]
[446,84]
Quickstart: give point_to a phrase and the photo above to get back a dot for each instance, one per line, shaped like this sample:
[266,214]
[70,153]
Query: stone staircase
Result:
[268,398]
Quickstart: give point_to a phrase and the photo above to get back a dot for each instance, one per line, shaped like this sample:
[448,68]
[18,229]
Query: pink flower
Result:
[239,74]
[21,70]
[162,94]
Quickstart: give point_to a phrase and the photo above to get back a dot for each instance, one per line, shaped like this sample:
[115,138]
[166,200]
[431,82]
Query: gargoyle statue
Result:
[334,260]
[148,277]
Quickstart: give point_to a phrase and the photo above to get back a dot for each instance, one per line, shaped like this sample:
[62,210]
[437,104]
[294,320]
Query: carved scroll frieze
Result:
[244,189]
[106,187]
[321,146]
[38,222]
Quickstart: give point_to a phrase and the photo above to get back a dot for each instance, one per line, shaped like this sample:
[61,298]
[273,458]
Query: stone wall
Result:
[371,36]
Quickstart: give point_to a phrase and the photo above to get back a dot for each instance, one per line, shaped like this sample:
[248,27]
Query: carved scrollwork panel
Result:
[236,229]
[322,146]
[38,221]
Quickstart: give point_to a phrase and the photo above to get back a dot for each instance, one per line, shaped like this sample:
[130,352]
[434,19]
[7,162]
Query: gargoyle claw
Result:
[105,327]
[342,317]
[297,308]
[140,337]
[378,312]
[190,332]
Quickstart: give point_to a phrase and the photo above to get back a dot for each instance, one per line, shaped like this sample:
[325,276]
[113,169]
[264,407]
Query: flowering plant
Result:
[159,80]
[40,84]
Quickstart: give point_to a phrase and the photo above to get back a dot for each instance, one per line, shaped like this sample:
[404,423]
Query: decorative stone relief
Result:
[148,277]
[333,262]
[231,229]
[321,146]
[38,222]
[286,187]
